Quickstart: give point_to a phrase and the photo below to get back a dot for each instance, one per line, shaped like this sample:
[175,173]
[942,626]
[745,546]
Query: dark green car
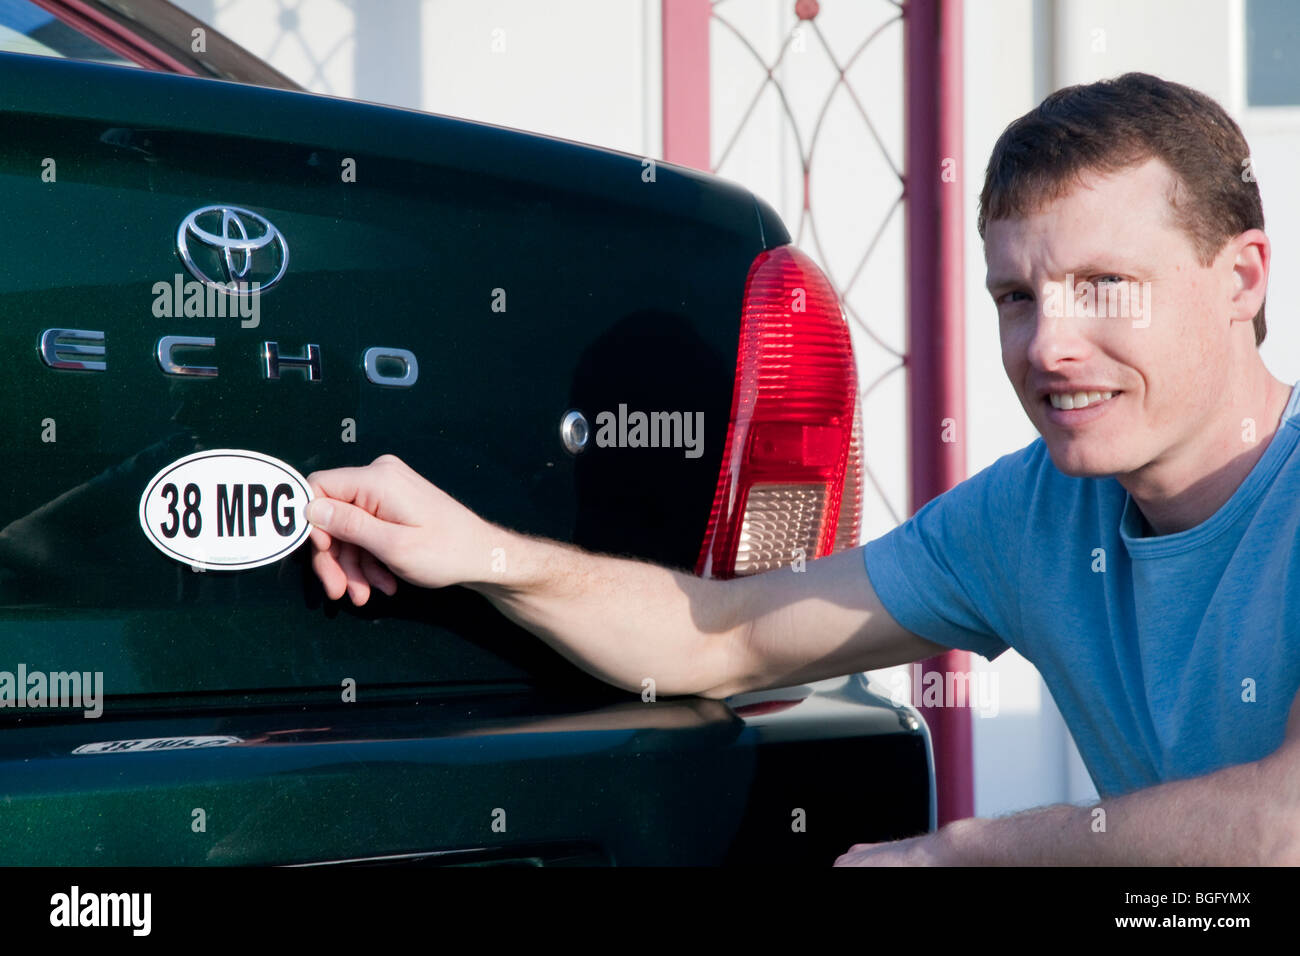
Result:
[472,299]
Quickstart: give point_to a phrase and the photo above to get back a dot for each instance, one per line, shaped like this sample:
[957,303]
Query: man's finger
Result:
[378,575]
[358,587]
[332,578]
[345,522]
[346,484]
[361,485]
[320,540]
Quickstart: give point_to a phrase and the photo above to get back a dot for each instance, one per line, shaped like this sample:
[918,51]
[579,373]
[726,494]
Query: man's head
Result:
[1136,186]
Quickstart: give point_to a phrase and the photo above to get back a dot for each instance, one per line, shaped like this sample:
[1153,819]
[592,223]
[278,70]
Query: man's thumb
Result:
[346,522]
[319,512]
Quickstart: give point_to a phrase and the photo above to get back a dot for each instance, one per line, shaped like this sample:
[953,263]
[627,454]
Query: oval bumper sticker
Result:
[154,744]
[226,510]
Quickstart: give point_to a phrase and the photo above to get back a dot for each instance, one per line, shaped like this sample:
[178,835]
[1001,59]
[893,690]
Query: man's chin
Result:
[1083,463]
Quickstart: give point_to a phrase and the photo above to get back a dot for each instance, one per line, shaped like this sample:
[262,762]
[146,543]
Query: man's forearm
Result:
[1240,815]
[625,621]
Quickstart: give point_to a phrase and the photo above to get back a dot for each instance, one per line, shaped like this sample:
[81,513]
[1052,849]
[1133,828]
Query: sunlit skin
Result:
[1174,437]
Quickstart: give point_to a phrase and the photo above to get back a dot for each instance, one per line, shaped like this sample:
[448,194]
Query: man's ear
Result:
[1251,255]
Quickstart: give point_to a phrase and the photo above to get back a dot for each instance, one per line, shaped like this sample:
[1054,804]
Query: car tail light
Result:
[790,481]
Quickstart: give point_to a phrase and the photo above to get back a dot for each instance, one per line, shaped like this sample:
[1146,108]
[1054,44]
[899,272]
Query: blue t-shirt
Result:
[1181,657]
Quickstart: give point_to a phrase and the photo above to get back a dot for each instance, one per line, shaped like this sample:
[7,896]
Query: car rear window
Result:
[28,28]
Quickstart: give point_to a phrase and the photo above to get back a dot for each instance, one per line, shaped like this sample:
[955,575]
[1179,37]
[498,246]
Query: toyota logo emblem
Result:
[229,248]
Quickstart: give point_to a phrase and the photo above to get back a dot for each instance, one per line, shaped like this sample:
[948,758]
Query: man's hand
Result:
[1247,814]
[930,849]
[382,522]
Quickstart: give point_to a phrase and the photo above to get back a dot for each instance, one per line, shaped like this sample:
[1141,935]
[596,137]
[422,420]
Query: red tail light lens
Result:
[790,482]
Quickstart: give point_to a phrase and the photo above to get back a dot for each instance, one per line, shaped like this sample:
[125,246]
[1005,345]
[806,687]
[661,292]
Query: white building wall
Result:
[589,70]
[586,70]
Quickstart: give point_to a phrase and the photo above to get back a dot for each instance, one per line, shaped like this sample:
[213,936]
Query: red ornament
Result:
[806,9]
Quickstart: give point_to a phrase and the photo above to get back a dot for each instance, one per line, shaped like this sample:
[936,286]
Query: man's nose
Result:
[1057,339]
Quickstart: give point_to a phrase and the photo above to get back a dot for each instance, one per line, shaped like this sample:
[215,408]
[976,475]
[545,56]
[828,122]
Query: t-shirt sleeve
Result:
[950,573]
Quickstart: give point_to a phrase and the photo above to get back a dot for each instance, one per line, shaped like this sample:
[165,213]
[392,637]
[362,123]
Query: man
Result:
[1142,553]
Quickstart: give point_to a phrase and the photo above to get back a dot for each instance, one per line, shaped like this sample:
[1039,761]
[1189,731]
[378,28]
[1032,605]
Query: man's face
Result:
[1165,357]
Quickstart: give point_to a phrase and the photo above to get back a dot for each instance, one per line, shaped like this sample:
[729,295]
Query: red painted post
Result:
[936,349]
[686,88]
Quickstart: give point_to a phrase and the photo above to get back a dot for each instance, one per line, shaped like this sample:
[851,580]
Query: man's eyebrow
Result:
[1100,267]
[995,283]
[1080,272]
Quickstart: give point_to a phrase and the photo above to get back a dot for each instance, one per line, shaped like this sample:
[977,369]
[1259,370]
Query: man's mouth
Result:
[1071,400]
[1071,409]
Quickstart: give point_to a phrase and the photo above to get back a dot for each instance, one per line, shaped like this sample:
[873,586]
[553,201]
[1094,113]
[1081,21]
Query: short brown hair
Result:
[1113,124]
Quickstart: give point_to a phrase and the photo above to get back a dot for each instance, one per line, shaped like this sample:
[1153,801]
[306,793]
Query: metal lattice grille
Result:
[796,70]
[310,40]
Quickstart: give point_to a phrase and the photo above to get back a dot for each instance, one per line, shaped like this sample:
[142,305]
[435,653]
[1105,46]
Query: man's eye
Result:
[1107,279]
[1008,298]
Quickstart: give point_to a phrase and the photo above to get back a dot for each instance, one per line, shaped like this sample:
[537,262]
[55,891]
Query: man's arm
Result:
[621,620]
[1243,815]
